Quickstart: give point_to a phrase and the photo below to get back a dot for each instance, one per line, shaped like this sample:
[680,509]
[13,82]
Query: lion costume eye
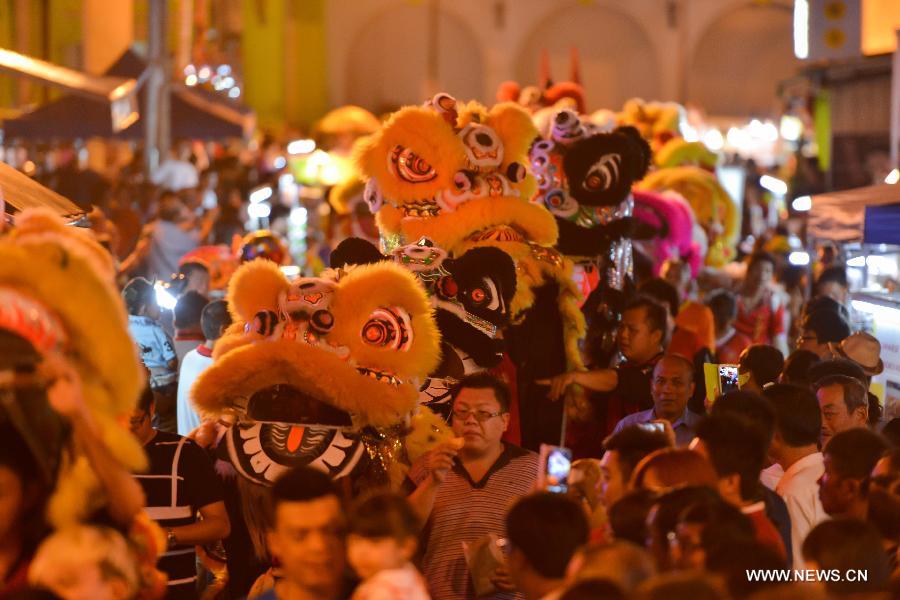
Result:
[484,148]
[389,328]
[603,174]
[409,166]
[485,295]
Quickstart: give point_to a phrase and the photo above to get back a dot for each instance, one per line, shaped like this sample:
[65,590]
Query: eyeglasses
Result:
[480,415]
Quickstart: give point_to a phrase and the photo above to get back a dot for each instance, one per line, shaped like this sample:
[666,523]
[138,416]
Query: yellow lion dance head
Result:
[453,172]
[57,293]
[310,362]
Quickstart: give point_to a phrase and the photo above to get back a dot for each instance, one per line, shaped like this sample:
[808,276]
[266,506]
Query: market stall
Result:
[195,114]
[866,222]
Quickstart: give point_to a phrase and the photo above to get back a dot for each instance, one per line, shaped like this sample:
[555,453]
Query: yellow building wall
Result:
[879,20]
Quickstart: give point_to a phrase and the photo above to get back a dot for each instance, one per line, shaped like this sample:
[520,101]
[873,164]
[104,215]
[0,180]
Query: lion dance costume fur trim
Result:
[63,274]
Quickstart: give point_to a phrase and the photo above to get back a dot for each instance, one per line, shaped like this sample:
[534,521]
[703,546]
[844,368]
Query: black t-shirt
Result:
[196,486]
[631,394]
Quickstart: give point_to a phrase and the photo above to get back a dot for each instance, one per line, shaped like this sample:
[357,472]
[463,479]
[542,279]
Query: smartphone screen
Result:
[652,427]
[728,378]
[556,466]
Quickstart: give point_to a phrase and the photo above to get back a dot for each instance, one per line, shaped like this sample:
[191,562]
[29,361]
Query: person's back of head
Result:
[624,563]
[829,326]
[797,367]
[794,277]
[668,468]
[681,586]
[733,561]
[764,363]
[884,515]
[215,319]
[825,303]
[848,545]
[891,431]
[546,529]
[753,408]
[798,419]
[723,304]
[663,518]
[853,453]
[663,292]
[836,366]
[735,448]
[136,294]
[632,444]
[834,276]
[593,589]
[188,310]
[628,516]
[718,524]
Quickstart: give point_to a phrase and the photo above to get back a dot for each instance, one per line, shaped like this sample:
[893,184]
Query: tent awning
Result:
[18,192]
[118,95]
[194,113]
[842,216]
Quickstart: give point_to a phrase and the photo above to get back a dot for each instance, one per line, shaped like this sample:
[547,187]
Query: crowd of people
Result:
[784,485]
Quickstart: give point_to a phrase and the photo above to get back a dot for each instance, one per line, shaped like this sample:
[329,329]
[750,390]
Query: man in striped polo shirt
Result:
[463,494]
[179,485]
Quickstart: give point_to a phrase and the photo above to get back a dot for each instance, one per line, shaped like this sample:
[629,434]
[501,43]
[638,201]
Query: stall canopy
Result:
[113,97]
[868,214]
[18,192]
[195,114]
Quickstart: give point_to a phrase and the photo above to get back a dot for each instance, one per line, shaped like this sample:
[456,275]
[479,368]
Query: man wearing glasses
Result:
[464,488]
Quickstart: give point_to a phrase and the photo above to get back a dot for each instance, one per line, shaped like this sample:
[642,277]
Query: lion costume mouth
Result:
[261,452]
[284,403]
[289,382]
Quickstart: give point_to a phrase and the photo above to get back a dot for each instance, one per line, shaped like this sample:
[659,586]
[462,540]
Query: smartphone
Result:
[728,378]
[556,465]
[653,427]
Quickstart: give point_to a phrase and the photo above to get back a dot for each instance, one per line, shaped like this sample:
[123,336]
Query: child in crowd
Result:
[383,537]
[155,348]
[86,563]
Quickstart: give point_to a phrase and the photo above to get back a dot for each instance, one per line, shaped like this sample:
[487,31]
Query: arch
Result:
[739,59]
[386,67]
[618,56]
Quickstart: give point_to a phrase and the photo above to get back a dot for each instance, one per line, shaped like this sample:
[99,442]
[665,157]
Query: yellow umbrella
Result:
[347,119]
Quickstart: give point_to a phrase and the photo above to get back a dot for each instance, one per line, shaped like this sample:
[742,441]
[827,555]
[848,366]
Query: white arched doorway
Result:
[738,61]
[618,58]
[386,64]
